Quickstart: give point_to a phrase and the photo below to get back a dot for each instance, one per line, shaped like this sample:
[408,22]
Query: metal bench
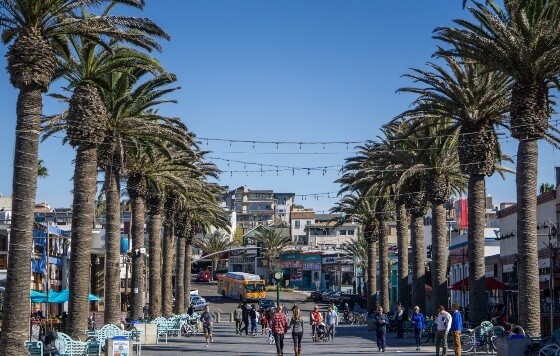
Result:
[68,347]
[99,336]
[34,348]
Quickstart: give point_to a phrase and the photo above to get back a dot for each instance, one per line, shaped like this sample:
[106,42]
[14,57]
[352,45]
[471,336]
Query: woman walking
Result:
[419,325]
[296,323]
[279,324]
[263,320]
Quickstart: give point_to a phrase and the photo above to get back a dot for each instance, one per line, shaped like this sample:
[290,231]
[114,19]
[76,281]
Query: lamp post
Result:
[278,278]
[551,246]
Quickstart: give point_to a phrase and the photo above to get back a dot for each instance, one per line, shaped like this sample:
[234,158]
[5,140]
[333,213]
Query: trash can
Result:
[118,346]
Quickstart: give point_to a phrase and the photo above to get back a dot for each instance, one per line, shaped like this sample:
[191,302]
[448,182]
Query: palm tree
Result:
[520,40]
[272,241]
[88,69]
[358,250]
[35,31]
[361,208]
[214,244]
[476,100]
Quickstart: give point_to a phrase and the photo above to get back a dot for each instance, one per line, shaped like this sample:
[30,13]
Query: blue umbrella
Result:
[63,297]
[37,297]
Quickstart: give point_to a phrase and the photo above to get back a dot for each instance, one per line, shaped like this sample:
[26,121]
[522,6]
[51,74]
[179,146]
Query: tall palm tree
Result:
[272,242]
[520,40]
[212,244]
[87,69]
[358,250]
[35,31]
[477,101]
[361,208]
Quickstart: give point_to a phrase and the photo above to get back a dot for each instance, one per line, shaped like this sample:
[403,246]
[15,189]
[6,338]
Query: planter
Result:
[512,346]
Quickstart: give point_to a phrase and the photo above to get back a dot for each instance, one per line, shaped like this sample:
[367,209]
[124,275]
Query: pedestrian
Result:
[443,322]
[50,343]
[279,325]
[419,325]
[381,320]
[315,319]
[296,323]
[331,319]
[455,329]
[263,320]
[207,320]
[253,317]
[399,316]
[245,318]
[238,317]
[284,309]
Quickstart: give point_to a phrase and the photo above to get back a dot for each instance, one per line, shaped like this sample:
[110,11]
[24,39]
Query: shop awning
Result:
[491,284]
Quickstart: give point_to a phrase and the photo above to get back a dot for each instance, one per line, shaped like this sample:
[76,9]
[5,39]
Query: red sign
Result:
[461,213]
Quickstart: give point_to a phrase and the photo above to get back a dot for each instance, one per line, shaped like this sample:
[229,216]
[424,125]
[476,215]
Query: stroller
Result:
[322,332]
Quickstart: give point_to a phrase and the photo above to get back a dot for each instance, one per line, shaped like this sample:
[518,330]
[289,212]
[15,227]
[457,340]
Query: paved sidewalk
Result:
[349,340]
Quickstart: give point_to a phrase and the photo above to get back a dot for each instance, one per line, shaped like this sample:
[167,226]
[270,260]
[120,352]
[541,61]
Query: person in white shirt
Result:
[443,322]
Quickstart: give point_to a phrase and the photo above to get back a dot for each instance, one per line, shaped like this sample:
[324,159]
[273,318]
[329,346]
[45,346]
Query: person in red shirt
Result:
[316,319]
[279,325]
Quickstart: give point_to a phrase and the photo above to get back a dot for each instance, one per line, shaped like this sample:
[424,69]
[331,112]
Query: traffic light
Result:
[429,251]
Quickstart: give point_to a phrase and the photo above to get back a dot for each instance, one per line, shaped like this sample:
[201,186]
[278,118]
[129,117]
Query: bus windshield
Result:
[253,287]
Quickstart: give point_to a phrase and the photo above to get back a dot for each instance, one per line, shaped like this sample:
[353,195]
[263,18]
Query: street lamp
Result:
[278,278]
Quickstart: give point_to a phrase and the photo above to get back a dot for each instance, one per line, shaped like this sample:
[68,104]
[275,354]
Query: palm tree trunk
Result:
[112,313]
[439,257]
[371,275]
[418,269]
[15,328]
[168,265]
[383,266]
[477,266]
[154,234]
[180,277]
[138,208]
[403,222]
[188,270]
[526,182]
[83,208]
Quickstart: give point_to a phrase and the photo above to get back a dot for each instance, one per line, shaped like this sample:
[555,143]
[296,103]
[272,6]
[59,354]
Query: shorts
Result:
[207,329]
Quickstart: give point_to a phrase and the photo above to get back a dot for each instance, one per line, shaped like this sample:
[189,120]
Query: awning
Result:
[489,282]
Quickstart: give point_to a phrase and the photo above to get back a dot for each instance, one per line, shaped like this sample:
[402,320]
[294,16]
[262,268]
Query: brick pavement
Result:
[349,340]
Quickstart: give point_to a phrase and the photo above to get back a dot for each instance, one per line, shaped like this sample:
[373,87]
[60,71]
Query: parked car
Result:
[204,276]
[198,302]
[334,297]
[351,299]
[326,295]
[316,295]
[266,303]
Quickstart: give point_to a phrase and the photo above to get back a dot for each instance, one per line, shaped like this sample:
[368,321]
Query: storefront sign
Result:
[291,264]
[295,274]
[329,260]
[311,266]
[311,258]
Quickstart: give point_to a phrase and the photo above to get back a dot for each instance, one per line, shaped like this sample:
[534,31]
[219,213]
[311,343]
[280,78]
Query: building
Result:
[259,207]
[299,219]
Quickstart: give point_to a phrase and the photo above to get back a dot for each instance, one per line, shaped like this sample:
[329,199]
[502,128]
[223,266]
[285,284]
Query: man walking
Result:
[331,319]
[238,317]
[381,320]
[207,320]
[443,323]
[245,317]
[456,326]
[399,315]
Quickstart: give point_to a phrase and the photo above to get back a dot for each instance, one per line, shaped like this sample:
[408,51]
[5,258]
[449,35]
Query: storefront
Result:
[292,267]
[311,271]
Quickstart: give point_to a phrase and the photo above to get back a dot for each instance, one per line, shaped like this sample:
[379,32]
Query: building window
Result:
[297,224]
[308,222]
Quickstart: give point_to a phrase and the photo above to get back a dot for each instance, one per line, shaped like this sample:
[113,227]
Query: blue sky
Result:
[279,71]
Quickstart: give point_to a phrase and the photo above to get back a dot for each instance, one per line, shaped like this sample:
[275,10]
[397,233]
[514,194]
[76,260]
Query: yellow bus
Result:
[241,286]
